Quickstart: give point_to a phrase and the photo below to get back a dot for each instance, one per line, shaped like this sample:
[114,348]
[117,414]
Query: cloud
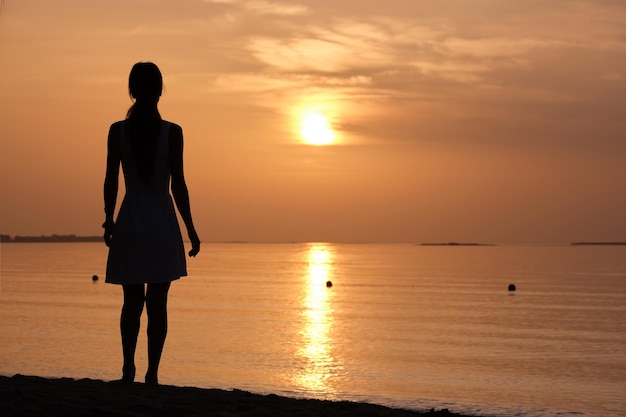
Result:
[342,45]
[360,48]
[455,71]
[265,7]
[313,54]
[492,47]
[262,83]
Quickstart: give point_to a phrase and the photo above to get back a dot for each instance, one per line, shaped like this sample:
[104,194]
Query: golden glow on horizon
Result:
[317,372]
[316,129]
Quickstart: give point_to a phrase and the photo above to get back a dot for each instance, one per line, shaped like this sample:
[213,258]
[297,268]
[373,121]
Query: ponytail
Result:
[145,85]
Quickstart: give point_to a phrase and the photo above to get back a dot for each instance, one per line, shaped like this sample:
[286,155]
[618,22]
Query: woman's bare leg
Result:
[129,326]
[156,306]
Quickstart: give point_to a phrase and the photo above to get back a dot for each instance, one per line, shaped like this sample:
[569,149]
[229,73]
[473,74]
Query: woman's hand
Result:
[195,243]
[108,227]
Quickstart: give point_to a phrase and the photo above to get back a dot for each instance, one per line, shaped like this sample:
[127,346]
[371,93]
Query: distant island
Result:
[457,244]
[49,239]
[597,243]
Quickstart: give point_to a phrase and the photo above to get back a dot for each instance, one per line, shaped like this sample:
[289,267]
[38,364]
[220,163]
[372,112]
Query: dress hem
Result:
[117,282]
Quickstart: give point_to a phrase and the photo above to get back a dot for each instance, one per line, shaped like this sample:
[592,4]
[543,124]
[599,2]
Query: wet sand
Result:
[35,396]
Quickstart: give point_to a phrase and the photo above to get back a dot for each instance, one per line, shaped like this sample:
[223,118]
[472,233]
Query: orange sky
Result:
[491,120]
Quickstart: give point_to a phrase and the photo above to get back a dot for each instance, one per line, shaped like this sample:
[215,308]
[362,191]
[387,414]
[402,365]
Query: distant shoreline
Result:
[598,243]
[49,239]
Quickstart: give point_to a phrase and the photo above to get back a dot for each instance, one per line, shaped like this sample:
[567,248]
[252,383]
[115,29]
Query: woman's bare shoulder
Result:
[174,127]
[115,128]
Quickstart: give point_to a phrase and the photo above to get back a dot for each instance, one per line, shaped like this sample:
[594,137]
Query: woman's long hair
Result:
[145,84]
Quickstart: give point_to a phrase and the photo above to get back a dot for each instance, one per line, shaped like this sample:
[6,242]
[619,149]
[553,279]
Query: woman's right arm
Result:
[111,180]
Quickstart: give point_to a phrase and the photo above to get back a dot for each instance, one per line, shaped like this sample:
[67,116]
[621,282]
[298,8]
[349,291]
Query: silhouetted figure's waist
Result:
[146,195]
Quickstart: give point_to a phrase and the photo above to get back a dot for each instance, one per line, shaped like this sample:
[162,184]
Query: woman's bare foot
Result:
[128,374]
[152,379]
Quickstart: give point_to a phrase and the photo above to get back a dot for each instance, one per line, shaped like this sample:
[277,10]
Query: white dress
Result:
[147,246]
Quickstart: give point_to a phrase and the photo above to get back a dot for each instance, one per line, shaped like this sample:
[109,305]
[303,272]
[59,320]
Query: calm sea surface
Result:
[402,325]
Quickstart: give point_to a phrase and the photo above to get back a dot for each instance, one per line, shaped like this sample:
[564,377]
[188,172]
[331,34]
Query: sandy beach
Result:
[35,396]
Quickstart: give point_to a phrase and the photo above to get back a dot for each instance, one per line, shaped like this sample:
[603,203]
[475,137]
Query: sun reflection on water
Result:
[318,364]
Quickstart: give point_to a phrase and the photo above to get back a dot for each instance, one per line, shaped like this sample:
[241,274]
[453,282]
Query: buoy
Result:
[512,287]
[329,284]
[94,278]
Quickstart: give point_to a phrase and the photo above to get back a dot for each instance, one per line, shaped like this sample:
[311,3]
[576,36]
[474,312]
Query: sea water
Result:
[402,325]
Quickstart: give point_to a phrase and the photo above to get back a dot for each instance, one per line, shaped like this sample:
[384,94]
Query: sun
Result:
[316,130]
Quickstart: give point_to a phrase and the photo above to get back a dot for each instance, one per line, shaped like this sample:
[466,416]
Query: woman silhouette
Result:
[145,245]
